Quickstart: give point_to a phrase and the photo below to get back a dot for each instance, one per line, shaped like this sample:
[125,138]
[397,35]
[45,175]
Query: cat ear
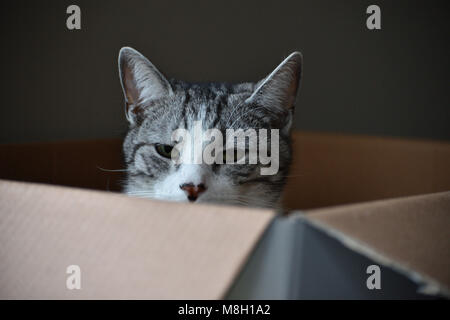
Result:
[140,81]
[279,89]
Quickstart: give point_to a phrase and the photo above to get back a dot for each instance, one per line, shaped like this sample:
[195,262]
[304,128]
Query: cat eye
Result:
[166,151]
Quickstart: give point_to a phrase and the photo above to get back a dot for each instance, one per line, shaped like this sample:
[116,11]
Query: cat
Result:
[155,107]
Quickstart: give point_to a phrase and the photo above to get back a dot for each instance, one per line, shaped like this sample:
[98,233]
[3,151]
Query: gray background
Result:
[61,84]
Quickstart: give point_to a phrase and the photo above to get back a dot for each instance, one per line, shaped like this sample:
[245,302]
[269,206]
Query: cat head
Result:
[163,165]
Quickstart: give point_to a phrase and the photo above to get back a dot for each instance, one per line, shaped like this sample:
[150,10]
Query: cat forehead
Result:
[211,88]
[201,94]
[213,103]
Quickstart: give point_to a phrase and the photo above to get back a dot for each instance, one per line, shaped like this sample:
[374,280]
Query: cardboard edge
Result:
[270,216]
[426,284]
[251,250]
[267,244]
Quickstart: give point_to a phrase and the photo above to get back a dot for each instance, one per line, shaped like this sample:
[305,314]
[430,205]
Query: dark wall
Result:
[61,84]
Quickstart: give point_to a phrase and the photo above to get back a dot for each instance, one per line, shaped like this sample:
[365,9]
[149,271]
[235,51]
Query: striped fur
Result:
[155,107]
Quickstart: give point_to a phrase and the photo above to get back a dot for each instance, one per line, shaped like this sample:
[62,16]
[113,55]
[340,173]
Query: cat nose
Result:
[193,191]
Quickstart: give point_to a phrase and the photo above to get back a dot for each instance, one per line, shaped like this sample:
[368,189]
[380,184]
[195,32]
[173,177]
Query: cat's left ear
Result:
[141,81]
[278,90]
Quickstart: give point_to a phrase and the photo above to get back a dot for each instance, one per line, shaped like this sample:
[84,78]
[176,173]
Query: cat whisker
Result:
[237,107]
[148,194]
[293,175]
[112,170]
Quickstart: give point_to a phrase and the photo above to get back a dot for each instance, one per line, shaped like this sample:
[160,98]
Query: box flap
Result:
[125,247]
[297,260]
[336,169]
[60,163]
[327,168]
[410,234]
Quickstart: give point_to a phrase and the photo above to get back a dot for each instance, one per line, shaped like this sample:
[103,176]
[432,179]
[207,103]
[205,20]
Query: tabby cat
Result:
[155,107]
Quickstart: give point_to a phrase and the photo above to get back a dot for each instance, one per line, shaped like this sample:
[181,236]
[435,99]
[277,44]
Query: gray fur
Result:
[161,106]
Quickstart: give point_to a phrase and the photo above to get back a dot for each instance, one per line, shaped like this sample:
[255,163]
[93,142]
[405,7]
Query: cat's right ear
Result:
[140,81]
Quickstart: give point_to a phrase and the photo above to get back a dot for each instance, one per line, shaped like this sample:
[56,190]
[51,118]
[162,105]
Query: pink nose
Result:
[193,191]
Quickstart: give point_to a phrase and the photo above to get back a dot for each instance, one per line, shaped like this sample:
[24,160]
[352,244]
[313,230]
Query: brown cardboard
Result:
[301,259]
[328,169]
[412,232]
[69,163]
[138,248]
[126,247]
[333,169]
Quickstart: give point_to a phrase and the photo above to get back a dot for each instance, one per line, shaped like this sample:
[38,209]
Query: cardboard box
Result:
[145,249]
[326,253]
